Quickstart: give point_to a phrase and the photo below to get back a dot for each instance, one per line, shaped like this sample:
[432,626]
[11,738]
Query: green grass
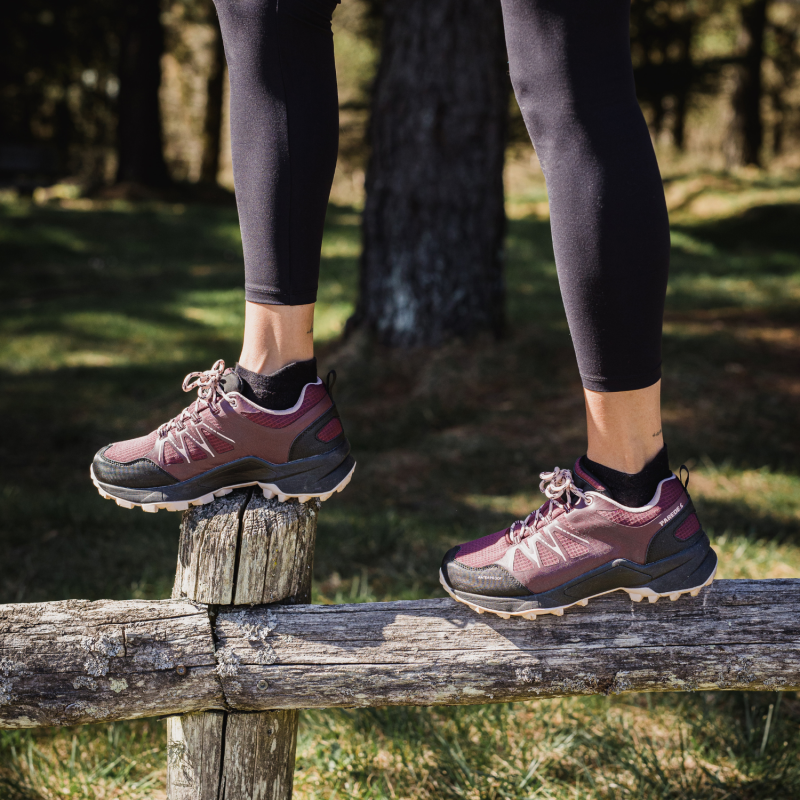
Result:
[106,305]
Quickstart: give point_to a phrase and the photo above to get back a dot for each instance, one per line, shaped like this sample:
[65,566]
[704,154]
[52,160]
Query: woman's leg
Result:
[271,422]
[572,75]
[619,519]
[624,427]
[284,137]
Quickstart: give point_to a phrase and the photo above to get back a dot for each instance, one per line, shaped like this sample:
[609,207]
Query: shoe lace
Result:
[559,487]
[209,393]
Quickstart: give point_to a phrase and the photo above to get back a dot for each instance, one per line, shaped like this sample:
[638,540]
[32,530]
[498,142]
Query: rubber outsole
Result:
[269,489]
[637,595]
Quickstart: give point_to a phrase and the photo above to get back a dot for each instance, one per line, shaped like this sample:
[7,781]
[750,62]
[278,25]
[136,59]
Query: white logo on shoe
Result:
[670,516]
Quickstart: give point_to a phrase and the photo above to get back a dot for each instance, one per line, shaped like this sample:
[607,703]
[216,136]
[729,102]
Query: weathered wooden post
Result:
[240,550]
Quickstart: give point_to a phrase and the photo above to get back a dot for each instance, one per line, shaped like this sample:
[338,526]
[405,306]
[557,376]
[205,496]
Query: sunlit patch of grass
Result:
[682,240]
[516,506]
[741,557]
[135,310]
[113,339]
[709,195]
[750,292]
[95,762]
[340,251]
[762,492]
[648,747]
[753,518]
[330,318]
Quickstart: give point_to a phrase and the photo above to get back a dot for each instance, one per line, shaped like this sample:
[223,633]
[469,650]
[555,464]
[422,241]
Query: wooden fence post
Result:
[240,550]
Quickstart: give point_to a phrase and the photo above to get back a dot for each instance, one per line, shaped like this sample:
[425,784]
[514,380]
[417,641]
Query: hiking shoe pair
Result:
[580,544]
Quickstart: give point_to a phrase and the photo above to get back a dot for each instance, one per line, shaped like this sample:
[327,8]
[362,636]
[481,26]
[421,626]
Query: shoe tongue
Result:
[585,481]
[231,382]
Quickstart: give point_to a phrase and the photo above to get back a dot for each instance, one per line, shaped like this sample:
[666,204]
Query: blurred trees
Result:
[785,62]
[79,83]
[746,133]
[140,146]
[212,119]
[58,84]
[662,35]
[434,221]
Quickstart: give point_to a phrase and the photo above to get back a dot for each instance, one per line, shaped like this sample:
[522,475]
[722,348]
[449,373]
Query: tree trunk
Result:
[785,63]
[434,218]
[212,122]
[139,137]
[683,84]
[746,133]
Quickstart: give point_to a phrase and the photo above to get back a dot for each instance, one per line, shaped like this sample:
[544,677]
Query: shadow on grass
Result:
[448,441]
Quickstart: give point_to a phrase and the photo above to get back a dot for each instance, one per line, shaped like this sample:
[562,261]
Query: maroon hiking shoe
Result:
[581,544]
[224,441]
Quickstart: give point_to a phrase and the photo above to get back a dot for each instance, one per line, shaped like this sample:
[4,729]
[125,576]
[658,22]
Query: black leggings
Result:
[571,70]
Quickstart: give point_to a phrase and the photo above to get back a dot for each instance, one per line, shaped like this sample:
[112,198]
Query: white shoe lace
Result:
[559,487]
[209,393]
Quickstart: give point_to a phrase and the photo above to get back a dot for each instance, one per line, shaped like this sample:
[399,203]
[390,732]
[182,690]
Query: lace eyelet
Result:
[589,501]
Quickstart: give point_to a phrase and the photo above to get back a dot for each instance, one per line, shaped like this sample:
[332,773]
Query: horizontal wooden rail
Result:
[77,661]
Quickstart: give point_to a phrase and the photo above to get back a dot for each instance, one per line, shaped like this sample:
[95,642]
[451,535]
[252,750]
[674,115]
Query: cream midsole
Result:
[269,490]
[637,595]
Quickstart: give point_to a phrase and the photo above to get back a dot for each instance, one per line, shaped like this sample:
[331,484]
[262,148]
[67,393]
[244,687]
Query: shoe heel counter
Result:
[683,531]
[326,433]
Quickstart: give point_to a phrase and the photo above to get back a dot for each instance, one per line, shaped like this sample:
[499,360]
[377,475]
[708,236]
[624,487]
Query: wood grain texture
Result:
[194,755]
[243,549]
[259,756]
[277,551]
[72,662]
[208,549]
[735,635]
[77,661]
[260,549]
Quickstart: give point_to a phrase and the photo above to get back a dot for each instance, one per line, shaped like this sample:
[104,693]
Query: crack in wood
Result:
[239,530]
[266,558]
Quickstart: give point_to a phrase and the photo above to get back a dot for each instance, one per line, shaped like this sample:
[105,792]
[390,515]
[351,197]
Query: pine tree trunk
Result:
[746,134]
[139,137]
[212,122]
[434,217]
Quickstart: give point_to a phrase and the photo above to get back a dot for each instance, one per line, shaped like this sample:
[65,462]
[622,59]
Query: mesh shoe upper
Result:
[218,428]
[575,531]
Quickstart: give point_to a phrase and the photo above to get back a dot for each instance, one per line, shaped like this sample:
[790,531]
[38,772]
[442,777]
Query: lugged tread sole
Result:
[637,595]
[269,489]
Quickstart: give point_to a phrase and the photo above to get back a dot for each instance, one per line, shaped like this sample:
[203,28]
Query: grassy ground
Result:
[106,305]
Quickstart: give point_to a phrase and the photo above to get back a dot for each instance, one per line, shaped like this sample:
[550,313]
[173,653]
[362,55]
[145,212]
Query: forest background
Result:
[121,271]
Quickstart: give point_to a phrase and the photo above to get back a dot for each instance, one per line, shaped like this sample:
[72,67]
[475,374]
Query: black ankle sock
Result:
[281,390]
[636,490]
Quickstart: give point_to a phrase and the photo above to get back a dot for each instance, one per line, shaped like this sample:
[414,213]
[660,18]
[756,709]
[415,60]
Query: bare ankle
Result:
[624,428]
[275,336]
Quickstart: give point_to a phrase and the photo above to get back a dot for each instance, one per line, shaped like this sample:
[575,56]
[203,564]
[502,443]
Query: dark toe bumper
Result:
[139,474]
[491,581]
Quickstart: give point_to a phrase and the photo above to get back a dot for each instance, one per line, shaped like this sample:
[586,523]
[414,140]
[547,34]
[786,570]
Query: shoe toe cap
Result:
[141,473]
[490,581]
